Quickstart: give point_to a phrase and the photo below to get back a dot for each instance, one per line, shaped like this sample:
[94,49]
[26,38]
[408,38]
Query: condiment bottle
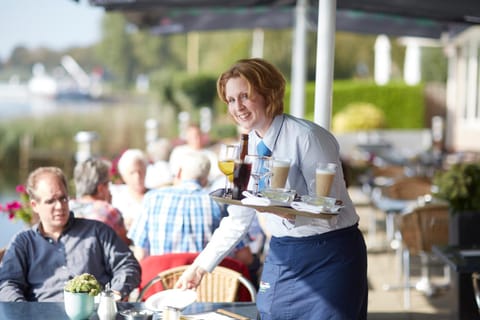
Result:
[107,307]
[241,172]
[243,146]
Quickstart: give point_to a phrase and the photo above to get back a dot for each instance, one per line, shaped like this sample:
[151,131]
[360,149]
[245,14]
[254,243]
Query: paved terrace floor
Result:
[384,269]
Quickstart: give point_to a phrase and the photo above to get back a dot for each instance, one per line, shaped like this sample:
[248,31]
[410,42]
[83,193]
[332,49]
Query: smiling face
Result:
[51,203]
[246,106]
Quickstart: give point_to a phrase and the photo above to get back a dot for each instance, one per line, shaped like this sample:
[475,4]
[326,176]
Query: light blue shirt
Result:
[306,144]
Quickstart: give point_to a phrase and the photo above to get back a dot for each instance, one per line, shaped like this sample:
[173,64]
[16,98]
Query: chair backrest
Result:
[2,253]
[221,285]
[151,266]
[425,226]
[408,188]
[390,171]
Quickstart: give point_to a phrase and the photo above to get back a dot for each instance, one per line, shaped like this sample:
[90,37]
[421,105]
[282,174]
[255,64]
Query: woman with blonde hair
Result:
[315,268]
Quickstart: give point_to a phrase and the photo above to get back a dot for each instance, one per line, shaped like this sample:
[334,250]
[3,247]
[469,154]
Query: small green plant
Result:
[84,283]
[459,186]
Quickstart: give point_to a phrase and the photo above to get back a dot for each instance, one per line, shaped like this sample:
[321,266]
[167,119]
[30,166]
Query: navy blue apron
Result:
[318,277]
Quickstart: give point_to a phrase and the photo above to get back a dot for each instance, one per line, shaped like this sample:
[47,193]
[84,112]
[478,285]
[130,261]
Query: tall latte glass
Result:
[324,175]
[279,169]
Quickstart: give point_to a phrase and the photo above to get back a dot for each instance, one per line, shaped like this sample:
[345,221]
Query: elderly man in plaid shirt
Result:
[180,218]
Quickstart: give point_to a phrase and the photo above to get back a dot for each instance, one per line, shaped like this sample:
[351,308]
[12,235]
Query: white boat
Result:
[69,83]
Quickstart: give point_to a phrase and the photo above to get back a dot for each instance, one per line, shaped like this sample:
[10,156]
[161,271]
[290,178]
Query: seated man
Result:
[39,261]
[94,197]
[180,218]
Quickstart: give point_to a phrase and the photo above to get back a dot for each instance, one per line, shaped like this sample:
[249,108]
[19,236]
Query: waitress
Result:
[315,268]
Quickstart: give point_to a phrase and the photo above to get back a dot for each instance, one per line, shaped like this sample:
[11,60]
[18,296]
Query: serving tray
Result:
[217,195]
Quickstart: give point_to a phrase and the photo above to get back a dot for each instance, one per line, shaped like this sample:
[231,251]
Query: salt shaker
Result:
[107,308]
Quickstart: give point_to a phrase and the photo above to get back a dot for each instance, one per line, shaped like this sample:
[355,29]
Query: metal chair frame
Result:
[421,228]
[221,285]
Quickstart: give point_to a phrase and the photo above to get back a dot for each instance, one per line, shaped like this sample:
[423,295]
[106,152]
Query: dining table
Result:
[463,261]
[56,310]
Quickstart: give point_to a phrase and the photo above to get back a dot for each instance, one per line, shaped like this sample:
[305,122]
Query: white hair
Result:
[130,157]
[159,150]
[195,166]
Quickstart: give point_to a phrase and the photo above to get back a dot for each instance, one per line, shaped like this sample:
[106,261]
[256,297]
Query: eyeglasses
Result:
[50,202]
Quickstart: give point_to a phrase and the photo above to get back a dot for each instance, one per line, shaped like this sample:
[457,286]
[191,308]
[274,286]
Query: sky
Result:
[56,24]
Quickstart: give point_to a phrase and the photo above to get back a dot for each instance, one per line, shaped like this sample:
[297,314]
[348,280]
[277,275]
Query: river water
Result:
[14,106]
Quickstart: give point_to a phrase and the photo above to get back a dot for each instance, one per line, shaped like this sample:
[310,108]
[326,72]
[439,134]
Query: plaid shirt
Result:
[175,219]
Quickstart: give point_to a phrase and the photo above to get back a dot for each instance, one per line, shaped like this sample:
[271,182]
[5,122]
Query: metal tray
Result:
[217,195]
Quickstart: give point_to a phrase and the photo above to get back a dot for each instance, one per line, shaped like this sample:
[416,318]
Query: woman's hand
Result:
[191,278]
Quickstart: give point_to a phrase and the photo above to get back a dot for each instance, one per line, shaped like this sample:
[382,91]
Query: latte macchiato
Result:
[324,175]
[280,168]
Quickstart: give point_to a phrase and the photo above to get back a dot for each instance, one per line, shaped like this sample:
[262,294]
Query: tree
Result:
[115,48]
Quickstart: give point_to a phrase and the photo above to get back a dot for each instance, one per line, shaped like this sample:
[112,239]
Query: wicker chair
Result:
[377,178]
[404,190]
[153,265]
[420,229]
[386,175]
[408,188]
[221,285]
[2,253]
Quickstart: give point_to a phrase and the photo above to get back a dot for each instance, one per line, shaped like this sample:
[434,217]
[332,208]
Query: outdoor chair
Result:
[420,229]
[397,198]
[221,285]
[153,265]
[377,178]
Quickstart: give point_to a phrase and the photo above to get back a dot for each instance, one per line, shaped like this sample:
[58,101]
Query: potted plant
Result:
[79,295]
[459,186]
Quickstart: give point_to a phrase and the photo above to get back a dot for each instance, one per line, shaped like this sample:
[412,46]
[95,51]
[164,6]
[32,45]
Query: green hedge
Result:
[404,106]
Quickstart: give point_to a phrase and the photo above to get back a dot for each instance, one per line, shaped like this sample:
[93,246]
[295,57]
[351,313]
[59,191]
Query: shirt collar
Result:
[272,132]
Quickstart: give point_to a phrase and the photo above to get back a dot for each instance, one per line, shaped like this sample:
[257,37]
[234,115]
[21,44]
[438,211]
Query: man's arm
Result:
[13,282]
[120,260]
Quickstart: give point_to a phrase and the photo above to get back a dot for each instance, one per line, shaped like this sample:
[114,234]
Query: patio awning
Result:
[418,18]
[425,18]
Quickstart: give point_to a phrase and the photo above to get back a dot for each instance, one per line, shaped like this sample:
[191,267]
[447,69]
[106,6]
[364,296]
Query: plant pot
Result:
[78,306]
[463,229]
